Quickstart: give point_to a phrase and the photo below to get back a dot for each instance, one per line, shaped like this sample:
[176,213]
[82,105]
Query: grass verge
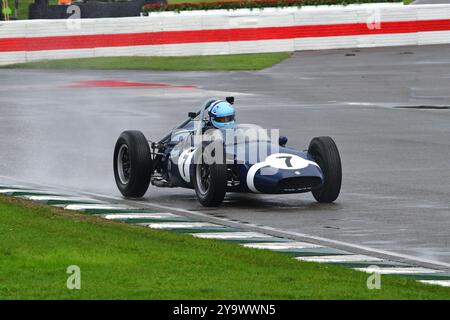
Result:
[120,261]
[191,63]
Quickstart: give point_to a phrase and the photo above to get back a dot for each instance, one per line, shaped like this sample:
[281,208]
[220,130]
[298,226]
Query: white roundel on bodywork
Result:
[184,162]
[285,161]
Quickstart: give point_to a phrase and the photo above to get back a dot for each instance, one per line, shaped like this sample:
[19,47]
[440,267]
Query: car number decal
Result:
[184,162]
[287,161]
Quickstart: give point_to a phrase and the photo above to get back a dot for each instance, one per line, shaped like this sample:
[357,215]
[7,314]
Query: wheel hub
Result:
[124,164]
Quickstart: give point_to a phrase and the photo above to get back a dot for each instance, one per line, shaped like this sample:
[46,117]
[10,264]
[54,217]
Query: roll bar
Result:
[192,116]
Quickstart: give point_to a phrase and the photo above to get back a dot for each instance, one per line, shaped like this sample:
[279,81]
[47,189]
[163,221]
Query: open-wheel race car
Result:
[237,158]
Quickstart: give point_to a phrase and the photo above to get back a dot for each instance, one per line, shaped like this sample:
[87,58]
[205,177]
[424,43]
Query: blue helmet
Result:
[221,114]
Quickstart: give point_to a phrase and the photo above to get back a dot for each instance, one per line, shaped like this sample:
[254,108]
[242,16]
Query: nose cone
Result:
[284,173]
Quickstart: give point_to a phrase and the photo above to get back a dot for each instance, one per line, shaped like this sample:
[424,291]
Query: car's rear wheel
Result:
[210,181]
[326,154]
[132,164]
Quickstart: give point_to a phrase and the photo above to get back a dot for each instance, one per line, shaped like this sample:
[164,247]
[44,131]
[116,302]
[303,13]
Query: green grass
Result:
[120,261]
[219,62]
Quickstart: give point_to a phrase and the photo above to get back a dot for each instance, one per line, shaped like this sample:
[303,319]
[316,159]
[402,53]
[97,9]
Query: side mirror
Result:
[192,115]
[282,140]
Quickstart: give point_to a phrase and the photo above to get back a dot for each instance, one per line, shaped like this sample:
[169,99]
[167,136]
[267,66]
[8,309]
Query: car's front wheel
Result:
[210,178]
[132,164]
[325,153]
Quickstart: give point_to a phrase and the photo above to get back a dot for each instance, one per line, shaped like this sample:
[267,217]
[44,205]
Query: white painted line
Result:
[181,225]
[59,198]
[399,270]
[78,207]
[10,190]
[281,245]
[132,215]
[2,191]
[266,228]
[232,235]
[443,283]
[340,258]
[288,233]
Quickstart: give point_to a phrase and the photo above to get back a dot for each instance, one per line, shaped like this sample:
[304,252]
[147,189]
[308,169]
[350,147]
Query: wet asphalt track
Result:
[396,162]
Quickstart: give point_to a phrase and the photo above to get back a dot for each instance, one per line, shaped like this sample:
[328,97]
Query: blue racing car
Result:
[213,154]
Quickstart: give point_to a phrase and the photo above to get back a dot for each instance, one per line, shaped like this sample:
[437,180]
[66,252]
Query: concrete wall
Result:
[226,32]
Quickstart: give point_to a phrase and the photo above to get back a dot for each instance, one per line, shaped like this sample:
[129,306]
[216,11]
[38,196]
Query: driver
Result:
[221,115]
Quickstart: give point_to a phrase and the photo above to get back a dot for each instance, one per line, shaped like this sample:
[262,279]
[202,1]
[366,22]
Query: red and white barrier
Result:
[226,32]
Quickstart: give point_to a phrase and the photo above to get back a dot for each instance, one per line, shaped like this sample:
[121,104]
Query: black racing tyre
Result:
[210,181]
[132,164]
[326,154]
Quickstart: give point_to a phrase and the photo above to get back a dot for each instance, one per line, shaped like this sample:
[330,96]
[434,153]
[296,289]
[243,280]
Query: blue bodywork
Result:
[271,169]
